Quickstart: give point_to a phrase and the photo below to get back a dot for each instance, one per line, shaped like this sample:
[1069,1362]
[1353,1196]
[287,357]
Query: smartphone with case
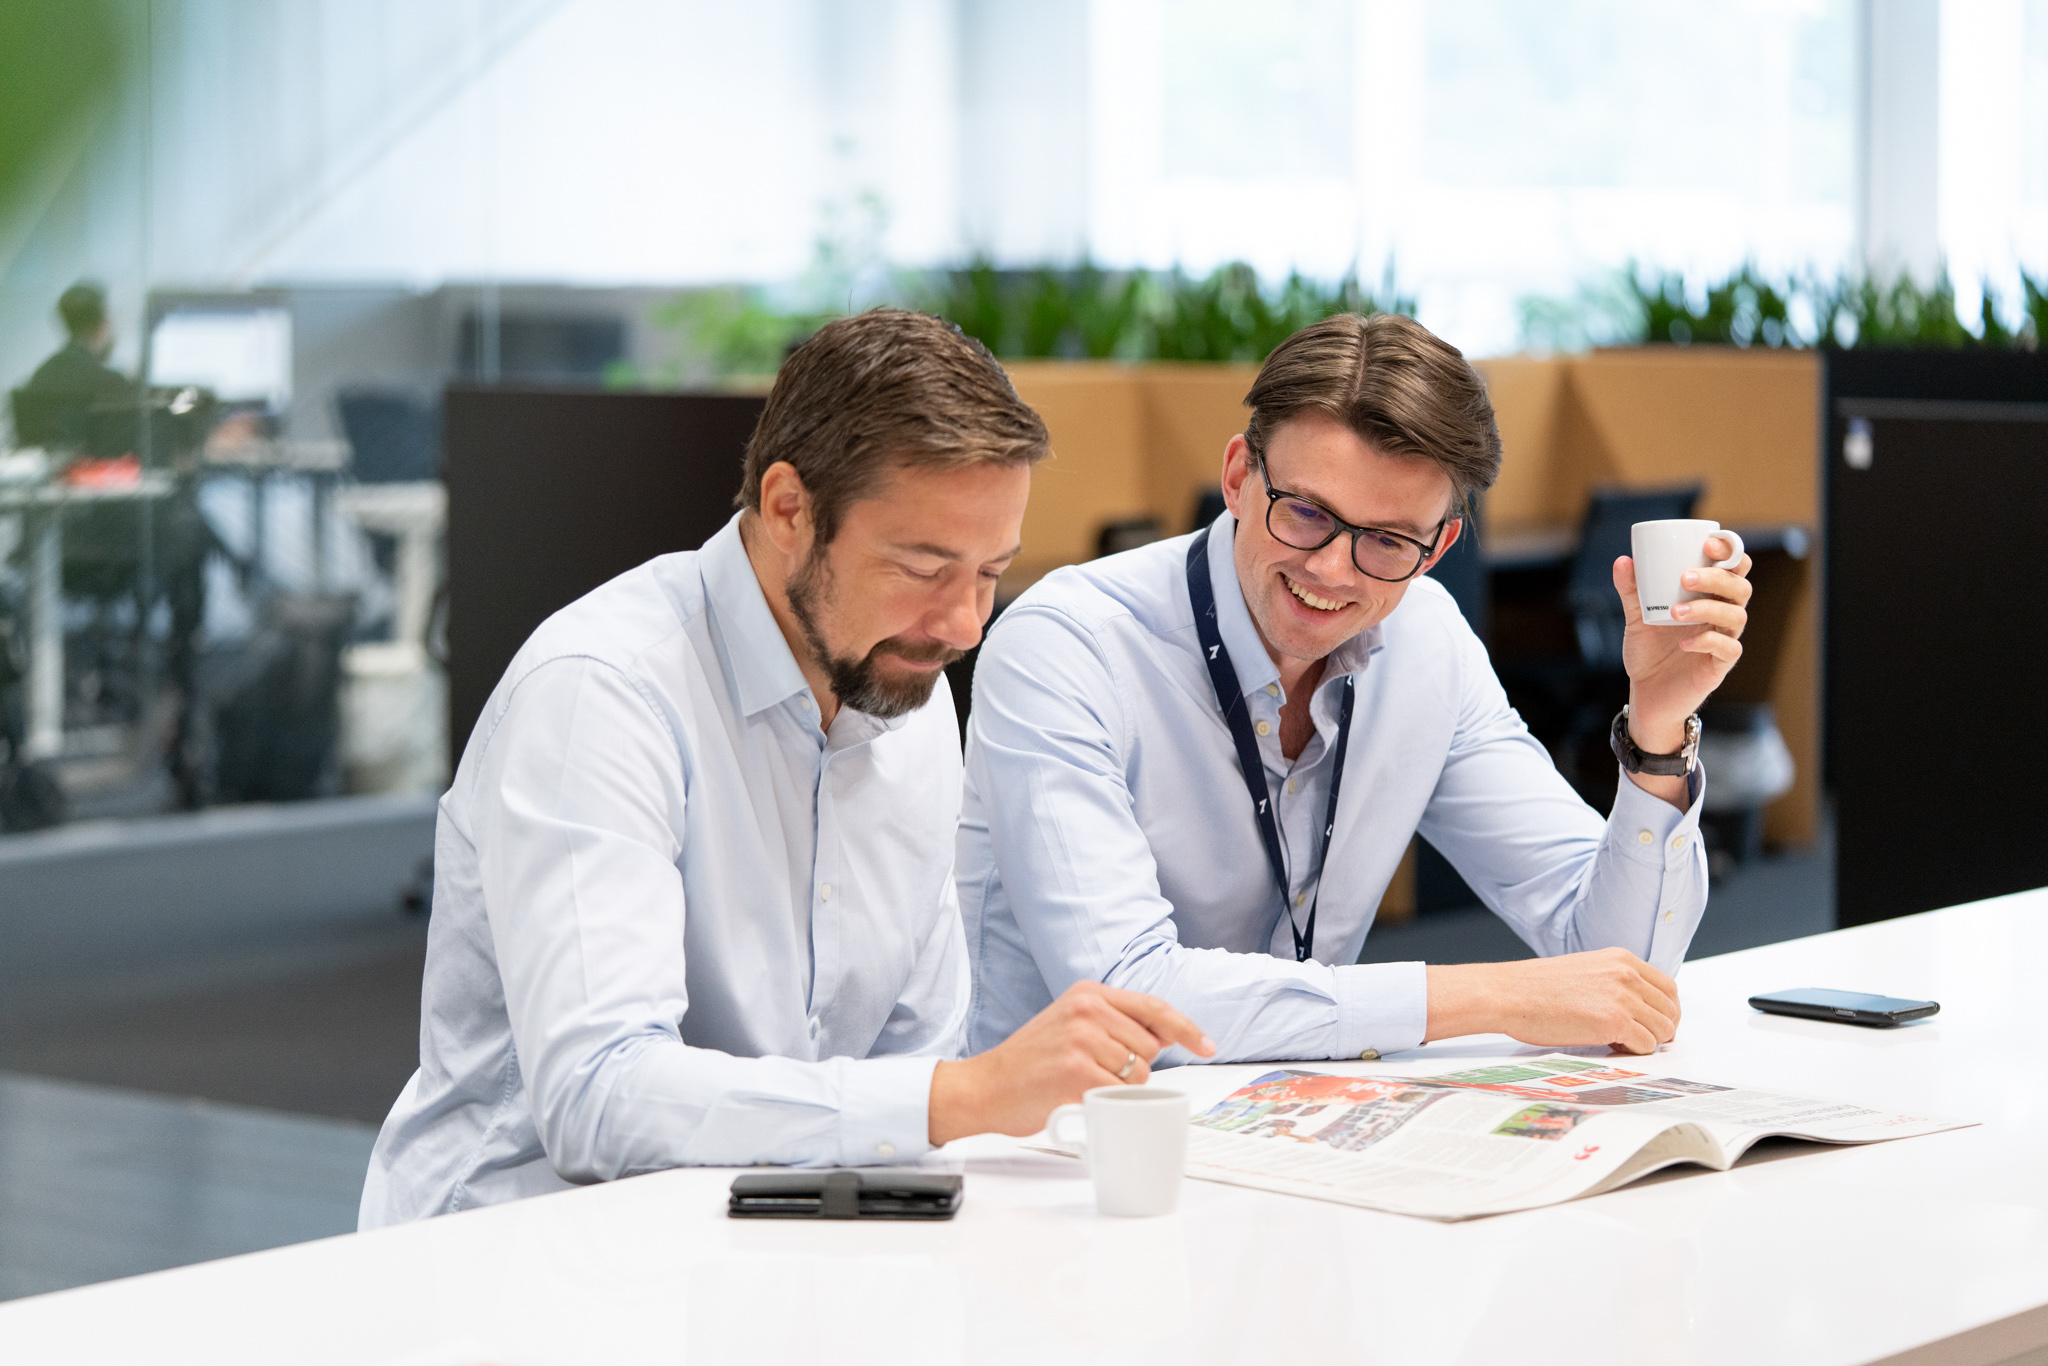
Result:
[1844,1007]
[846,1193]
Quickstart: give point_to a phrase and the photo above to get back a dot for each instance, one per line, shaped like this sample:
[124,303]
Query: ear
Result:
[1237,468]
[786,510]
[1452,530]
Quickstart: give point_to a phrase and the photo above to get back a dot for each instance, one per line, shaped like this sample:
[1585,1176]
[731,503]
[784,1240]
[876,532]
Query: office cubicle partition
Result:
[1936,479]
[553,491]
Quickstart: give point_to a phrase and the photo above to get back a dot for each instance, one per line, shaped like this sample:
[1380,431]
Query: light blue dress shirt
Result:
[675,922]
[1106,833]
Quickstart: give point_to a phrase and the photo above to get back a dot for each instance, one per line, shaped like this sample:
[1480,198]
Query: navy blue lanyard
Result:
[1230,697]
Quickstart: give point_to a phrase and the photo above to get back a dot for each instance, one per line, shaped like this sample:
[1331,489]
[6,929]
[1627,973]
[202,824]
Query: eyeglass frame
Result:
[1274,495]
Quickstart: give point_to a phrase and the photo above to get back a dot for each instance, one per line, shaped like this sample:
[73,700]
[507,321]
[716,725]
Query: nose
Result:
[1332,564]
[957,620]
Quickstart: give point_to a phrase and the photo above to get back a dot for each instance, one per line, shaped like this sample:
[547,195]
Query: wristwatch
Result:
[1633,760]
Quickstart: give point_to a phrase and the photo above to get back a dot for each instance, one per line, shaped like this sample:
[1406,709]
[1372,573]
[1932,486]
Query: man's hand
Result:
[1672,670]
[1083,1040]
[1606,996]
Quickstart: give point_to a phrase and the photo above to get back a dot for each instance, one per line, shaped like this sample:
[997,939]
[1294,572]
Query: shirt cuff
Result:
[885,1110]
[1650,830]
[1381,1006]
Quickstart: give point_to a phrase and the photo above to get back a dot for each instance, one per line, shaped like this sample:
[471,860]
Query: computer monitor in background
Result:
[243,356]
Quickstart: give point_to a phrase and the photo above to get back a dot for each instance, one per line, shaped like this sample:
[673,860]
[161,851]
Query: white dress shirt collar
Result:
[764,671]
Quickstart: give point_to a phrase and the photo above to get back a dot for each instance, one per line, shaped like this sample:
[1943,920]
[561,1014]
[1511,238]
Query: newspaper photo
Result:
[1505,1136]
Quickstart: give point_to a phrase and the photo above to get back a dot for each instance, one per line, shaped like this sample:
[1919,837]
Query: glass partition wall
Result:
[245,244]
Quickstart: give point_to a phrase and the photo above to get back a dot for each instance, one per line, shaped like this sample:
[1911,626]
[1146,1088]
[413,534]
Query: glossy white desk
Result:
[1925,1250]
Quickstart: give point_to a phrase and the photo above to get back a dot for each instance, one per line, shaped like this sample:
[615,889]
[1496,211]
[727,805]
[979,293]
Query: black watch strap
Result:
[1635,760]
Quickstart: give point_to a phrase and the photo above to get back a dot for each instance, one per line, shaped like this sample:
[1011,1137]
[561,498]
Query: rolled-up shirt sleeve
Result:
[1048,732]
[579,818]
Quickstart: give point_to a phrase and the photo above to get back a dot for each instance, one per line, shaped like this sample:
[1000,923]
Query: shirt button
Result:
[1294,784]
[1645,837]
[885,1150]
[824,891]
[804,702]
[1264,728]
[1667,917]
[1678,841]
[1272,690]
[1301,898]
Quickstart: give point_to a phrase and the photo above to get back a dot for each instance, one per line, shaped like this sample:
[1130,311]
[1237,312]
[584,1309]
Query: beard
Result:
[860,683]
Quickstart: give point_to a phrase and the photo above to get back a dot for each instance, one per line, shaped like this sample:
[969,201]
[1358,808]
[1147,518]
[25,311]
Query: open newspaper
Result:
[1505,1136]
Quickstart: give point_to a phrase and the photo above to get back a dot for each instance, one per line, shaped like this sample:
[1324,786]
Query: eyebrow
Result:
[941,552]
[1420,533]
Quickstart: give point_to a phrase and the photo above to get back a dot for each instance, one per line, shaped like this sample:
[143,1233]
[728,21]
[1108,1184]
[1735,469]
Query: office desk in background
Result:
[1927,1250]
[1551,547]
[41,505]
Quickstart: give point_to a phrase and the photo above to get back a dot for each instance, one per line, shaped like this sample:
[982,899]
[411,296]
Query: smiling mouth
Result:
[1320,604]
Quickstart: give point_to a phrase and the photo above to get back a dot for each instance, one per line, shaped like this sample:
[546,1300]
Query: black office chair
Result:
[1462,572]
[1570,698]
[1597,615]
[393,436]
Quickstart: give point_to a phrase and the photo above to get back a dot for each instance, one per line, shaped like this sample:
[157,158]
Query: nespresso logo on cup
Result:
[1653,607]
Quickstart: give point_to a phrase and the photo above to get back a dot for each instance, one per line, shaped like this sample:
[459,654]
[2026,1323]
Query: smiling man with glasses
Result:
[1193,768]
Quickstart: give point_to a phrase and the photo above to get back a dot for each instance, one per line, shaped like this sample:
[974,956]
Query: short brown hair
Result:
[881,390]
[1400,387]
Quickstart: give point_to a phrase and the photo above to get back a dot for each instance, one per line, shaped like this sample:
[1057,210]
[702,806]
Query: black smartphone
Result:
[1844,1007]
[846,1193]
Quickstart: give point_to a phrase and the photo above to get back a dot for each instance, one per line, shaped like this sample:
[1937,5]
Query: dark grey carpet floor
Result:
[1781,896]
[97,1183]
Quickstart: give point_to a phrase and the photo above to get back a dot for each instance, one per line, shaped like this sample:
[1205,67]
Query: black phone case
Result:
[858,1193]
[1874,1019]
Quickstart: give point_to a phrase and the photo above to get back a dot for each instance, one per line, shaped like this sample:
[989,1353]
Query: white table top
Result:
[1800,1254]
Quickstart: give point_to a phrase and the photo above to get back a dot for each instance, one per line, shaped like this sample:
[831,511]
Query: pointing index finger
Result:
[1162,1019]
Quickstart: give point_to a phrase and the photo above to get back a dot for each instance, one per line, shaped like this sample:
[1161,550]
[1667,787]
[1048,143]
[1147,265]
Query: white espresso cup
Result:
[1665,550]
[1135,1144]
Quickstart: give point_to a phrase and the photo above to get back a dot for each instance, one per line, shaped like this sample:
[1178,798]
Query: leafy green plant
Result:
[1743,310]
[1074,312]
[1900,314]
[719,334]
[1085,311]
[1749,309]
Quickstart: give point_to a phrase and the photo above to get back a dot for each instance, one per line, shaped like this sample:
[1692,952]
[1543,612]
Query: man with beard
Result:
[693,897]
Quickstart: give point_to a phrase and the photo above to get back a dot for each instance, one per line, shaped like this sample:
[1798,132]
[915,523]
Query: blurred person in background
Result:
[56,408]
[1193,768]
[77,405]
[694,898]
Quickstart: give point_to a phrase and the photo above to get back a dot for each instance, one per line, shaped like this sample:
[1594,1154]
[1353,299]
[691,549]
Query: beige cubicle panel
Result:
[1128,441]
[1098,470]
[1743,423]
[1144,440]
[1192,411]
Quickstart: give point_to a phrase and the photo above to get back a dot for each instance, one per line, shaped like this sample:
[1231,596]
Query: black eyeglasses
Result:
[1305,524]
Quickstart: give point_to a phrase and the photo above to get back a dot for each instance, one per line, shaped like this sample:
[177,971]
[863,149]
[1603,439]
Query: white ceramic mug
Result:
[1135,1145]
[1665,550]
